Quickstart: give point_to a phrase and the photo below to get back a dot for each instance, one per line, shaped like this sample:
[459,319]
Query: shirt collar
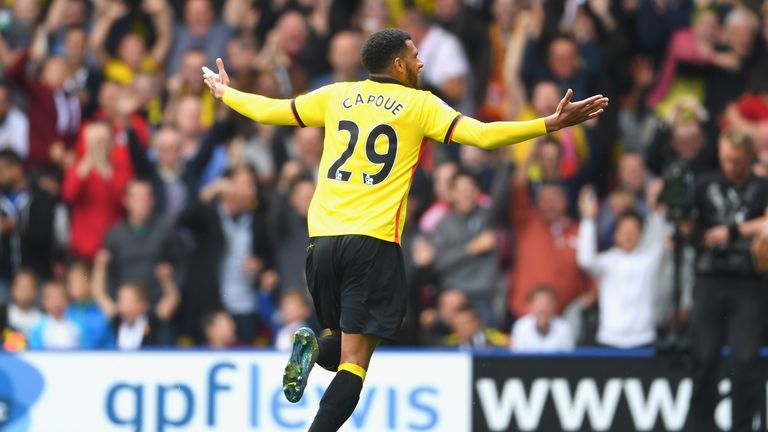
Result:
[384,79]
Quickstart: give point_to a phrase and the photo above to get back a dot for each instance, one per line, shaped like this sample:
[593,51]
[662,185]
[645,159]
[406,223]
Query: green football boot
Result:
[303,358]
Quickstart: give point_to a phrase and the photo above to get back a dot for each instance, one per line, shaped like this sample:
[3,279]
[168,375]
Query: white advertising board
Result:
[221,391]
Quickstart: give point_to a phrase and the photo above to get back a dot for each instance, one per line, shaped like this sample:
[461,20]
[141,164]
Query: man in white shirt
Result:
[628,274]
[14,126]
[541,330]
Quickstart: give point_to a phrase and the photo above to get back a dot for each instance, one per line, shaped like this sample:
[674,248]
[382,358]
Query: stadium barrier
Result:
[446,391]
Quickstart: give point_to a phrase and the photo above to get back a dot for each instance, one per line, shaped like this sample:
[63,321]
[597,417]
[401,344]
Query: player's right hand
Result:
[217,83]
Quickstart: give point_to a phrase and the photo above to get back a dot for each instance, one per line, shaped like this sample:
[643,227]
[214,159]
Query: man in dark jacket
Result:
[26,223]
[175,180]
[231,258]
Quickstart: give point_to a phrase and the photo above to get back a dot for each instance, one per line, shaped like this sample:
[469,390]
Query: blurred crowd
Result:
[136,210]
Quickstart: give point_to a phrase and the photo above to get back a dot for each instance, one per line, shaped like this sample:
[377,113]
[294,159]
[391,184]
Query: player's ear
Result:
[398,65]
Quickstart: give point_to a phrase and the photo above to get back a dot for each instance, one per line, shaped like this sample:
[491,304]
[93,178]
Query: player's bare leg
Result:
[342,395]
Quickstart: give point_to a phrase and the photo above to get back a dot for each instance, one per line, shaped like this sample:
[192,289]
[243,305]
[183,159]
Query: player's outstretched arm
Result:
[256,107]
[503,133]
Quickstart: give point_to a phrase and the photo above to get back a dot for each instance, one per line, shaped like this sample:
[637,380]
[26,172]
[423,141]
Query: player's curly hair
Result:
[381,48]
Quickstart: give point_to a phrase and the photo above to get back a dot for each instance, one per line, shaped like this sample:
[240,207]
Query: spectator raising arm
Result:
[162,21]
[170,298]
[105,18]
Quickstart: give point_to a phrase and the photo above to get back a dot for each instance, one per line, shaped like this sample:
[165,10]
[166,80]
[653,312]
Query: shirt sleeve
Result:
[309,109]
[586,251]
[495,135]
[438,119]
[260,108]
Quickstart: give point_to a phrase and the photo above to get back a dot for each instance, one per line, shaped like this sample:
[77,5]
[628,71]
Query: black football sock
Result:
[330,352]
[339,400]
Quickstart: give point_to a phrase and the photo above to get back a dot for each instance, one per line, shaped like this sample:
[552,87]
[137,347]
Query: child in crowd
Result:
[219,329]
[134,322]
[55,331]
[23,314]
[84,311]
[294,313]
[541,330]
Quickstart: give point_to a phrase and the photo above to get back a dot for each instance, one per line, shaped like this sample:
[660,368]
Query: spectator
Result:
[470,333]
[174,180]
[132,56]
[436,322]
[629,194]
[84,312]
[219,329]
[21,29]
[296,50]
[294,314]
[199,29]
[576,143]
[141,246]
[93,188]
[187,83]
[53,112]
[62,17]
[308,148]
[26,222]
[541,330]
[445,64]
[627,274]
[135,323]
[118,108]
[84,78]
[231,261]
[344,57]
[694,45]
[289,223]
[484,47]
[465,249]
[725,84]
[23,314]
[684,141]
[545,247]
[544,167]
[14,126]
[442,177]
[55,330]
[569,64]
[638,125]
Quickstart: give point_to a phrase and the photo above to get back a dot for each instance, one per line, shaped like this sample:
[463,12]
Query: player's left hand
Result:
[217,83]
[572,113]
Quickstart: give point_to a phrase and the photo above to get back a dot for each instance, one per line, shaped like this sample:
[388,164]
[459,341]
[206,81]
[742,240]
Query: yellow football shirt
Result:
[373,136]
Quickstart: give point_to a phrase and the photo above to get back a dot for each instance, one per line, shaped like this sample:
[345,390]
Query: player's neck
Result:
[384,78]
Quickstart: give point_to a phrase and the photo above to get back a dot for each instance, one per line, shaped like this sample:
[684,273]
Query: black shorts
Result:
[357,284]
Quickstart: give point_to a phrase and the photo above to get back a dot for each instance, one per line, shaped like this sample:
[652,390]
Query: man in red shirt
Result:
[545,247]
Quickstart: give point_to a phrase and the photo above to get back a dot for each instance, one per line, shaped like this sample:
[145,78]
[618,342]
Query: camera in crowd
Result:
[678,192]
